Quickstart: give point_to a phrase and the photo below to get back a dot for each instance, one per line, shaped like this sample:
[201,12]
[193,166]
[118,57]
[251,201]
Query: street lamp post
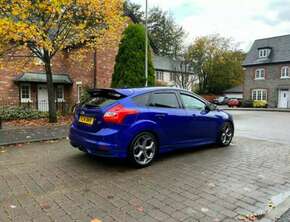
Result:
[146,44]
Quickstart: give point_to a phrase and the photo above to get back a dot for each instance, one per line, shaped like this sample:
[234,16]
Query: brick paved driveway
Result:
[53,182]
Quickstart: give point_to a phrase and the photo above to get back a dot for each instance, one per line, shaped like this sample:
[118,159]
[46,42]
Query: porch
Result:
[33,93]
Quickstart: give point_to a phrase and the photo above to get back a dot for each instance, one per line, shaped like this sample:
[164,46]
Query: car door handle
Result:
[160,116]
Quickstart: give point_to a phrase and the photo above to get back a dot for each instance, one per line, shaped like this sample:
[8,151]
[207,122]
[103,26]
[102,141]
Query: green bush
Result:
[247,104]
[14,113]
[260,104]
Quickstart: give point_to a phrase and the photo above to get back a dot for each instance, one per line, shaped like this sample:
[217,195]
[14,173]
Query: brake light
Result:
[117,114]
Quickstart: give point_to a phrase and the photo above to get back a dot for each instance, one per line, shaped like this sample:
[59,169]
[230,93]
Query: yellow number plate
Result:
[86,120]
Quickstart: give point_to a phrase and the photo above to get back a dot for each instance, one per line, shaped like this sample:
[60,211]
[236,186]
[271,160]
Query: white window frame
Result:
[160,75]
[285,72]
[259,94]
[258,74]
[25,100]
[59,100]
[264,53]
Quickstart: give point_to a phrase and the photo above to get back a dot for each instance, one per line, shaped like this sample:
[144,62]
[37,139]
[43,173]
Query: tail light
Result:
[117,114]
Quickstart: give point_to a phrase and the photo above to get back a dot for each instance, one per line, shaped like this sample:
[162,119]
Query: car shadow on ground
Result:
[122,165]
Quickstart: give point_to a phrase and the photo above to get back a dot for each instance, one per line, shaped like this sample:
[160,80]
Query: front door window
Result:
[190,102]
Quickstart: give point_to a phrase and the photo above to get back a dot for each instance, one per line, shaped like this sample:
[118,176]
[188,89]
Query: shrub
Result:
[129,69]
[14,113]
[247,103]
[260,104]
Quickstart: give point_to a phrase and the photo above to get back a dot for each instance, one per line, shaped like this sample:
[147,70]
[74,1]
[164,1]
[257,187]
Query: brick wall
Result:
[80,70]
[272,82]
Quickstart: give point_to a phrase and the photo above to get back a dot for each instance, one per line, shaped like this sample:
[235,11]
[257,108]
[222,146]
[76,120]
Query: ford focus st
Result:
[138,124]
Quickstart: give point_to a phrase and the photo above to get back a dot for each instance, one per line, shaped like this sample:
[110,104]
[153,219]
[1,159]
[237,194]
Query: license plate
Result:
[86,120]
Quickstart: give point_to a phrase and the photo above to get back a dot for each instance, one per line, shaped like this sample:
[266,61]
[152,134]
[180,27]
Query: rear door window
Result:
[141,100]
[164,100]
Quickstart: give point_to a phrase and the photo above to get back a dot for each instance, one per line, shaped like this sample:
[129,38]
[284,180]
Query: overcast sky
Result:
[242,20]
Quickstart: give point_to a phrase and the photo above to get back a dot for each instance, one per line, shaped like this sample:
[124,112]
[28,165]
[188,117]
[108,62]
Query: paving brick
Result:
[54,182]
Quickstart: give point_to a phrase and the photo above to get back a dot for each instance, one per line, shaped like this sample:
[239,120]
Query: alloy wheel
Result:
[227,135]
[144,149]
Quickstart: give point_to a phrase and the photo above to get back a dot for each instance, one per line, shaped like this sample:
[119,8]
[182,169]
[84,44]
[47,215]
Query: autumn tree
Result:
[130,62]
[184,77]
[216,62]
[47,27]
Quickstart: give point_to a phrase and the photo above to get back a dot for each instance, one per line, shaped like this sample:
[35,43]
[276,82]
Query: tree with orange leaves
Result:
[48,27]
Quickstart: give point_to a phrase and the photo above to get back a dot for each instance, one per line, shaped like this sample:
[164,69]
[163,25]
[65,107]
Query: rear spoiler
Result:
[117,93]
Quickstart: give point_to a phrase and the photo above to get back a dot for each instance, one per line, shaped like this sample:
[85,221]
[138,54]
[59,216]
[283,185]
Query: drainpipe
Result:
[95,69]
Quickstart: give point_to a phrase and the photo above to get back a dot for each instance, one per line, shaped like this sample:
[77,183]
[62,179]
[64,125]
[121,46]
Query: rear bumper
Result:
[104,143]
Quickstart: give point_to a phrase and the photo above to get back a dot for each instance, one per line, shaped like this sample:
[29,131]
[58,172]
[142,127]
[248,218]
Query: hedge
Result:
[14,113]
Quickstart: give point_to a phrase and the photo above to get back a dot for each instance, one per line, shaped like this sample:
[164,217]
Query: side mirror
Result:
[210,107]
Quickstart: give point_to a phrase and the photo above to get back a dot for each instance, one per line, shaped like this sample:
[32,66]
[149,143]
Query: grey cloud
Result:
[282,10]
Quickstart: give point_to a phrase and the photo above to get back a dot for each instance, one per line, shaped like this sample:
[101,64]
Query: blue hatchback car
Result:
[141,123]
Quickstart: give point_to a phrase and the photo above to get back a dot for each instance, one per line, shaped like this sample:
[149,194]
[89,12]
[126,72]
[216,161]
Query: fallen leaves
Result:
[211,185]
[252,217]
[140,209]
[110,197]
[96,220]
[62,120]
[45,206]
[204,210]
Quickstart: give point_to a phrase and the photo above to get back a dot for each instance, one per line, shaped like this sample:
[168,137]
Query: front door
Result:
[42,98]
[284,97]
[201,124]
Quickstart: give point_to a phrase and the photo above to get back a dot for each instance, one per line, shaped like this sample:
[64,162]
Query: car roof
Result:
[138,91]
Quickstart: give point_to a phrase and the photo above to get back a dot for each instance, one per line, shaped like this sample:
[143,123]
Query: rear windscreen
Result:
[101,99]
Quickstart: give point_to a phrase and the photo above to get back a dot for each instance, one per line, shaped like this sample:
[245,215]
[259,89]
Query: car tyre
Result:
[143,150]
[226,134]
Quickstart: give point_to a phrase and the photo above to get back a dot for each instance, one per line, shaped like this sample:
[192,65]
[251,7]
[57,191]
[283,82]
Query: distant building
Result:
[173,72]
[267,75]
[234,93]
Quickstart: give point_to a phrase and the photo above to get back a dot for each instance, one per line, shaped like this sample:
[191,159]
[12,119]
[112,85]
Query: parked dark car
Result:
[222,100]
[138,124]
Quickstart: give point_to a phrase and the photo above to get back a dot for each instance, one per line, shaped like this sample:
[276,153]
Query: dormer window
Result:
[264,53]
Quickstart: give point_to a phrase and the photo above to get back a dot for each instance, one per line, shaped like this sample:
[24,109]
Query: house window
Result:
[260,74]
[259,94]
[59,93]
[25,93]
[285,72]
[172,79]
[160,75]
[264,53]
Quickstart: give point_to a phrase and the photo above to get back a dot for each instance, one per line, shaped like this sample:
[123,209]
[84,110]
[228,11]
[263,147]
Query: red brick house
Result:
[23,81]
